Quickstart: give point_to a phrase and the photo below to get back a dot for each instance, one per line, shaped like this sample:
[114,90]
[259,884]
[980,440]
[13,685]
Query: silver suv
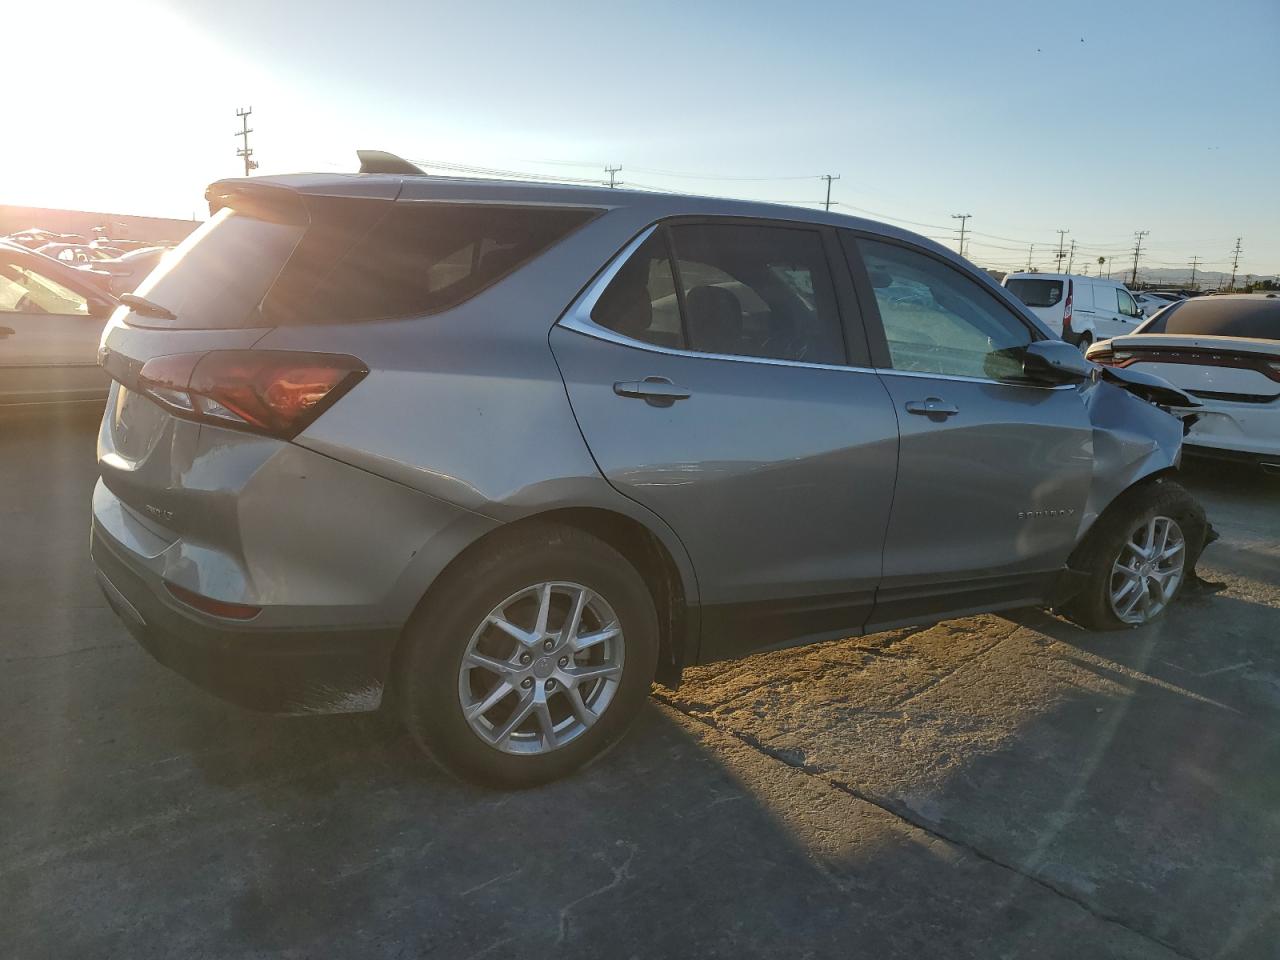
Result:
[502,454]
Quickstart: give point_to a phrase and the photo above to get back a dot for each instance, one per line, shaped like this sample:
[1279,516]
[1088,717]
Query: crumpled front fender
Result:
[1132,439]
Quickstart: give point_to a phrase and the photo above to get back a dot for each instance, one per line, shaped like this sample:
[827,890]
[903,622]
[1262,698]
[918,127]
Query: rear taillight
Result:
[276,392]
[1272,369]
[1066,311]
[1112,358]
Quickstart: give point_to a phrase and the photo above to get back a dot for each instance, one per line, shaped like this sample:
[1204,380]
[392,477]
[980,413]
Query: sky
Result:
[1097,118]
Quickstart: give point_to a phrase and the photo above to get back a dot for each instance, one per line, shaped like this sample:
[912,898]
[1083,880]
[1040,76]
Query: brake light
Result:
[1066,310]
[276,392]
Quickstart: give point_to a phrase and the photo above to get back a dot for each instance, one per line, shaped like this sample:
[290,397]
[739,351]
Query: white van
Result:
[1082,310]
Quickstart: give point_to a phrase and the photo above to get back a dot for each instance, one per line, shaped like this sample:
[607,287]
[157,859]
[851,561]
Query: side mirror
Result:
[1046,362]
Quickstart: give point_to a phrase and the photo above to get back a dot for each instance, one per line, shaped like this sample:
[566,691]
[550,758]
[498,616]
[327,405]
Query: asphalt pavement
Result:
[998,786]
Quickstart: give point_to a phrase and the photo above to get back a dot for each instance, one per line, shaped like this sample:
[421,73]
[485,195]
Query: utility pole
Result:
[245,151]
[1137,250]
[612,172]
[1030,250]
[1195,262]
[826,205]
[1061,256]
[1071,260]
[1235,263]
[963,218]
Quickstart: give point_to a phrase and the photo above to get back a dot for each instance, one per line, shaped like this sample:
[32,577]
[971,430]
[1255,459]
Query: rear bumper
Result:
[273,670]
[1235,430]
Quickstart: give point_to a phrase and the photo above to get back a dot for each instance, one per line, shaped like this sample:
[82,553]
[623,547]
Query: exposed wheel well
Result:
[638,545]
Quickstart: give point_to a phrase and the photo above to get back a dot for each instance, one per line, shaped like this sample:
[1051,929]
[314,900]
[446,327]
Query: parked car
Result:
[1081,310]
[34,237]
[1152,301]
[1224,351]
[51,319]
[77,252]
[123,273]
[506,453]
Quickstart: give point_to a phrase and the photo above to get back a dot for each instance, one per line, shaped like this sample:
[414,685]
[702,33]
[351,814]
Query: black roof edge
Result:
[379,161]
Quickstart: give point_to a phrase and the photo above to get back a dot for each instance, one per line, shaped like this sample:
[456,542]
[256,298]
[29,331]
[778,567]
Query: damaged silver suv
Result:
[501,454]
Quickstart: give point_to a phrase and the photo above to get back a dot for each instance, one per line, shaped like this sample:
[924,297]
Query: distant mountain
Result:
[1173,276]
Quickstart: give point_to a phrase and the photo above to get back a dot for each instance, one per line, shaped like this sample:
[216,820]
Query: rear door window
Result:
[352,260]
[744,290]
[641,302]
[1036,293]
[758,291]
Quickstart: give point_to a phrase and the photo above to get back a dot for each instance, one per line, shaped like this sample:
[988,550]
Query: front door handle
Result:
[655,391]
[7,332]
[932,407]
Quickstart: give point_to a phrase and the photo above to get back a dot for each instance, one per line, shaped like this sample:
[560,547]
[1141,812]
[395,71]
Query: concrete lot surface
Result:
[1000,786]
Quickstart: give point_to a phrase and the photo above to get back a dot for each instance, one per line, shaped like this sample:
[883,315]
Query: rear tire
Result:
[1084,341]
[1134,565]
[507,616]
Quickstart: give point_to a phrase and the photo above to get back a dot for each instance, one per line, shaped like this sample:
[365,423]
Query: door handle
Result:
[932,407]
[7,332]
[655,391]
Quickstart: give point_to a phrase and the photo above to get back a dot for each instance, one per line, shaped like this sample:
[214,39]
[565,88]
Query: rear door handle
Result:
[656,391]
[932,407]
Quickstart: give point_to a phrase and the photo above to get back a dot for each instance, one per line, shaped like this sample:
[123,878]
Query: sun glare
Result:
[106,152]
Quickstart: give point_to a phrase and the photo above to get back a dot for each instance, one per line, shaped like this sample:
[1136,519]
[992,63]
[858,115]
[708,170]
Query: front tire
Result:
[1138,557]
[530,658]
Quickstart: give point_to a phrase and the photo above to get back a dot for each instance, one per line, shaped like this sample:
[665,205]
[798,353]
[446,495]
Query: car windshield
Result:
[1034,292]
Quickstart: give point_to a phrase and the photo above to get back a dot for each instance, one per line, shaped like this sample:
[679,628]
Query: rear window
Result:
[1219,317]
[356,260]
[1036,293]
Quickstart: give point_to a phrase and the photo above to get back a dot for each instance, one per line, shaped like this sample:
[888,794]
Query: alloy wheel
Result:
[542,668]
[1146,574]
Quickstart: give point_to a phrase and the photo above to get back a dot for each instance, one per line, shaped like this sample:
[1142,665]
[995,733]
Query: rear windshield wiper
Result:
[147,307]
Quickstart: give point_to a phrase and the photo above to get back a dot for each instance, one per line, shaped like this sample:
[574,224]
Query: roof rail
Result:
[379,161]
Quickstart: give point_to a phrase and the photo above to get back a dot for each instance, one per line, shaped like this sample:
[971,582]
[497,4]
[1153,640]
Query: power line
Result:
[612,172]
[1137,251]
[245,151]
[963,218]
[826,204]
[1071,258]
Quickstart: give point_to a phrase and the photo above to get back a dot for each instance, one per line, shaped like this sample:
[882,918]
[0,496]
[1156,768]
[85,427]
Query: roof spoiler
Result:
[379,161]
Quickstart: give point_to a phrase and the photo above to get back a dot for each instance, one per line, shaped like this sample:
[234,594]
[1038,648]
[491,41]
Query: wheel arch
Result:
[1116,502]
[670,584]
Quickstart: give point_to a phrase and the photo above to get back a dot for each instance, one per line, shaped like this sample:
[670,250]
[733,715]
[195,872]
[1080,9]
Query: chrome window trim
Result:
[890,372]
[578,319]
